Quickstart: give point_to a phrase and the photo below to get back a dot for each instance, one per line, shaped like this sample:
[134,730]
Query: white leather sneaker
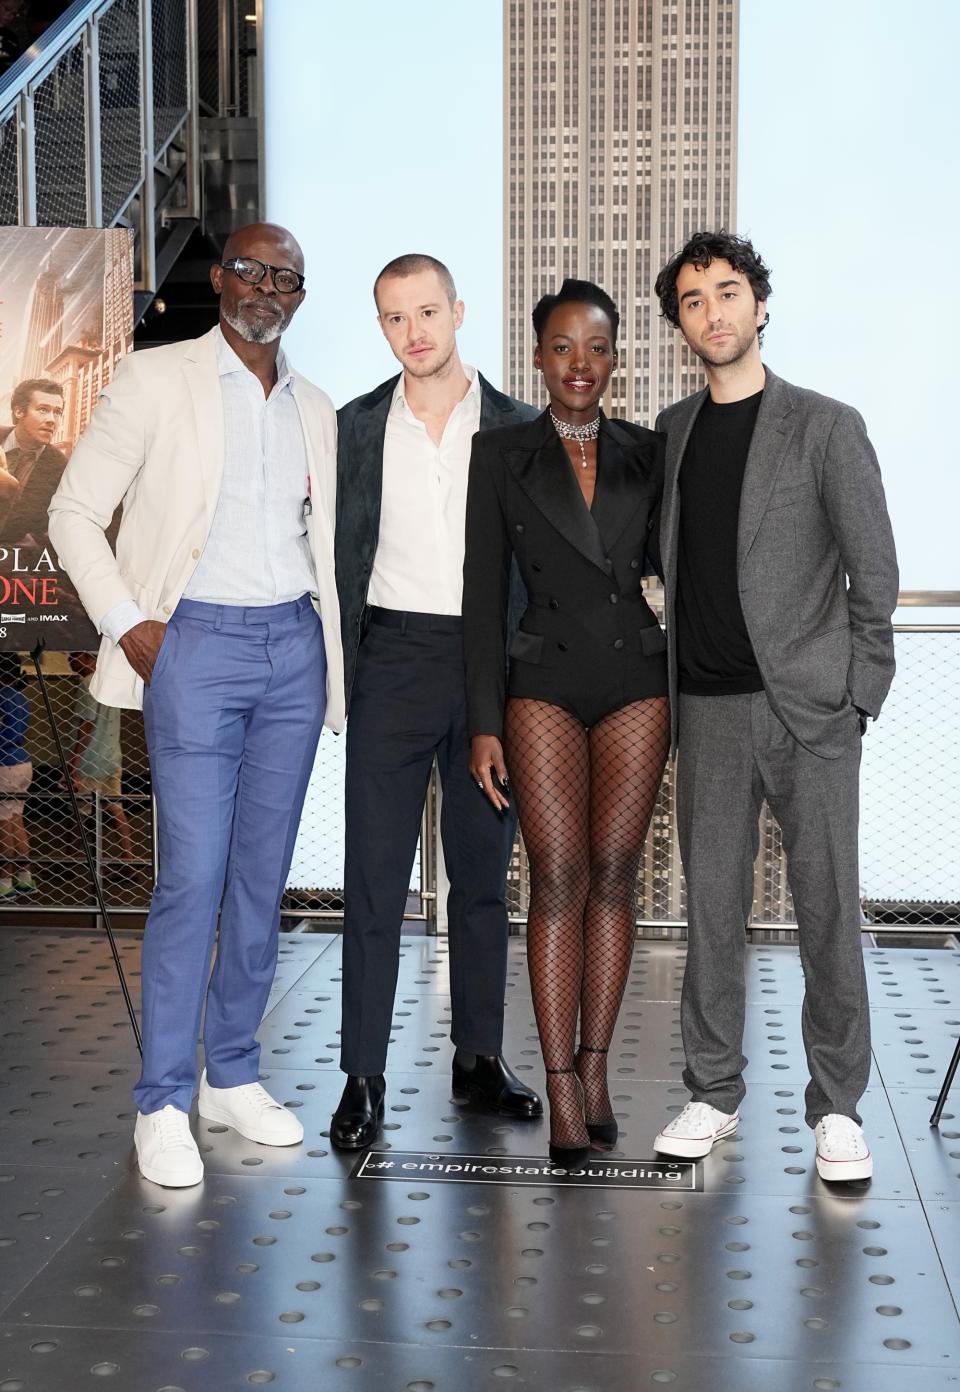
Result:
[250,1110]
[842,1150]
[694,1132]
[166,1151]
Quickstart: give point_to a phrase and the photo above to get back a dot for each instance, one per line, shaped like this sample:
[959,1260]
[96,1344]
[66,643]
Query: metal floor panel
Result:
[933,1152]
[944,1220]
[66,1113]
[913,1047]
[55,1359]
[767,1281]
[508,1268]
[925,977]
[39,1210]
[303,1030]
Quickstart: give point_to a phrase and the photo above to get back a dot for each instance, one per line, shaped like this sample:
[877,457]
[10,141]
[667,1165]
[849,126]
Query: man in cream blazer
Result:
[219,615]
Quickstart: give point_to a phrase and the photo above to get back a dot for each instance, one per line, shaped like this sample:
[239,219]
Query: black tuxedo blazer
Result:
[587,627]
[361,427]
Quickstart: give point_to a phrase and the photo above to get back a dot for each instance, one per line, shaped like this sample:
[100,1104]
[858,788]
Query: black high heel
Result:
[605,1133]
[571,1157]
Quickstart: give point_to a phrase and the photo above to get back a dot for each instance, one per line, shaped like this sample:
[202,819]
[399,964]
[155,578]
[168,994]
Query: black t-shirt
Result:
[714,651]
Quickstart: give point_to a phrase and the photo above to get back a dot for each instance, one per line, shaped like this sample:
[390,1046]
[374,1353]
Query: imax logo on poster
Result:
[13,618]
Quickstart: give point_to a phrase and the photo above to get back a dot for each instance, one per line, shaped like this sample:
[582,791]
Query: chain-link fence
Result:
[910,788]
[909,827]
[42,863]
[169,21]
[121,134]
[8,169]
[60,134]
[910,832]
[87,130]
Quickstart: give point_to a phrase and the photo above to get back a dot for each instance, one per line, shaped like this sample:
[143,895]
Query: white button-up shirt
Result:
[419,561]
[257,552]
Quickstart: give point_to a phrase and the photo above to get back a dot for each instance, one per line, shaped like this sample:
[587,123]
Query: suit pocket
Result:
[652,640]
[791,493]
[526,647]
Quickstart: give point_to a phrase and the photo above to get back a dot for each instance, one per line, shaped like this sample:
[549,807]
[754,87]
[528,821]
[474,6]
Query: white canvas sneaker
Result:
[166,1151]
[250,1110]
[694,1132]
[842,1150]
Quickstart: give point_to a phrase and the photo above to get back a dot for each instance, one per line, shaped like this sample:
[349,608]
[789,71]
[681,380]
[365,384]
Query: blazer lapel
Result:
[365,453]
[767,448]
[543,471]
[616,498]
[203,381]
[677,436]
[495,408]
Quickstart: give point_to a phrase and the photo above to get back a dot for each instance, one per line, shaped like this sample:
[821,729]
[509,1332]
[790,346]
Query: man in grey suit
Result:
[781,579]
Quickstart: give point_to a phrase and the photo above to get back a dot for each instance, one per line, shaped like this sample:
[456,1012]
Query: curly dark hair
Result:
[700,250]
[575,292]
[22,393]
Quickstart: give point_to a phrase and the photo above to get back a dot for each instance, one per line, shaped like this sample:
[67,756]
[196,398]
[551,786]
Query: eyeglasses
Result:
[251,272]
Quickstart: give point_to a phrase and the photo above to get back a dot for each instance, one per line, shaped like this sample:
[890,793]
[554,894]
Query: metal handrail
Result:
[928,599]
[178,197]
[51,44]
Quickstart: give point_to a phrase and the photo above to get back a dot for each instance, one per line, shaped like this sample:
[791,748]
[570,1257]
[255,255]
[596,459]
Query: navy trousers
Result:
[408,706]
[232,718]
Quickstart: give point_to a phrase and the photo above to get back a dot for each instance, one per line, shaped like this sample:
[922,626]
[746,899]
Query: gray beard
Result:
[255,330]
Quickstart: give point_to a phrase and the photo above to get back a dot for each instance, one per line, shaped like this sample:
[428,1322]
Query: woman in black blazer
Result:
[582,723]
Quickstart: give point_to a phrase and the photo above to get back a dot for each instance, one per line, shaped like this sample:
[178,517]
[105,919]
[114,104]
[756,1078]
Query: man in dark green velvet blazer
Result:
[403,458]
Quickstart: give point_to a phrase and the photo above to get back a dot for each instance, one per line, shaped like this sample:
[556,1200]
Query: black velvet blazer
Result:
[587,635]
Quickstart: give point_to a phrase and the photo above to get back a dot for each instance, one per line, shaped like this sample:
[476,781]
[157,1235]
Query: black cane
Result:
[947,1082]
[84,842]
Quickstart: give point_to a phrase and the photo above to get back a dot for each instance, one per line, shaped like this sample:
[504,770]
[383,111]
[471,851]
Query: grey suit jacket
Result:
[362,426]
[816,561]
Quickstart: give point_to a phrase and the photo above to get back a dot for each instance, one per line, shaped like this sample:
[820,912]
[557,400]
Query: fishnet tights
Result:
[585,798]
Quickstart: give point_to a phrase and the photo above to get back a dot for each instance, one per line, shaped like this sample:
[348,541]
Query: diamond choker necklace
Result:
[580,433]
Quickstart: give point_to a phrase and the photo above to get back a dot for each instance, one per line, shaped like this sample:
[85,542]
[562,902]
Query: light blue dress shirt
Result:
[257,552]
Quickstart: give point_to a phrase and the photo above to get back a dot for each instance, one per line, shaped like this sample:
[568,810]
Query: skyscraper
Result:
[620,138]
[44,323]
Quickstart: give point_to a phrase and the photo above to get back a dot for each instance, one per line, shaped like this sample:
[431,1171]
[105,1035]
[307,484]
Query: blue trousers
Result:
[232,719]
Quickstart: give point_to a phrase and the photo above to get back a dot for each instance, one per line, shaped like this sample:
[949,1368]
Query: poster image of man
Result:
[33,462]
[66,320]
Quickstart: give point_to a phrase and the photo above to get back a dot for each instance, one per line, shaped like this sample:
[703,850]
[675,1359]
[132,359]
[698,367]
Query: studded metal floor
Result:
[280,1269]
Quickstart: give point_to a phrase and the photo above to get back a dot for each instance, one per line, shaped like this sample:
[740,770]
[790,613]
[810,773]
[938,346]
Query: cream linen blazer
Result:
[155,442]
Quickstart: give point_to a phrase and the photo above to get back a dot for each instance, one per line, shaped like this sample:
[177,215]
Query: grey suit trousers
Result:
[733,753]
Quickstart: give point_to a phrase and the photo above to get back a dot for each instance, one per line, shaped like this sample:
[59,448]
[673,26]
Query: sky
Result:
[848,139]
[389,143]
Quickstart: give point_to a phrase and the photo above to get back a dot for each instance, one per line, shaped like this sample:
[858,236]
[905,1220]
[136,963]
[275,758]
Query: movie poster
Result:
[66,320]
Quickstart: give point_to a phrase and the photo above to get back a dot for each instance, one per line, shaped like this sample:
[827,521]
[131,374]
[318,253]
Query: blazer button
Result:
[608,566]
[518,527]
[554,604]
[535,565]
[614,599]
[634,565]
[618,643]
[562,647]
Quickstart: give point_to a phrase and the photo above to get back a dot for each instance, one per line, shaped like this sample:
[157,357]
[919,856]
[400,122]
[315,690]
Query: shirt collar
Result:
[228,361]
[399,402]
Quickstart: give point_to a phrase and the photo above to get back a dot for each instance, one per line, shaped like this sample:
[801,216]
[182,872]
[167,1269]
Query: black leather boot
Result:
[490,1082]
[359,1116]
